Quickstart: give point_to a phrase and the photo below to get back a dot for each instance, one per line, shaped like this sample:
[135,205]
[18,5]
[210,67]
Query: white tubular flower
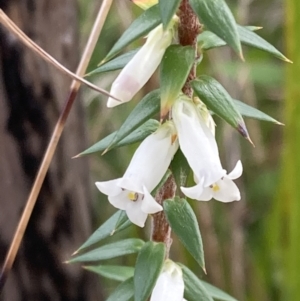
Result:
[224,190]
[169,285]
[203,111]
[138,71]
[198,145]
[147,167]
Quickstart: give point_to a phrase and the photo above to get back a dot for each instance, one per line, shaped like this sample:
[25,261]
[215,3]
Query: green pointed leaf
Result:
[168,10]
[250,38]
[217,17]
[252,112]
[137,135]
[123,292]
[116,223]
[184,223]
[147,269]
[114,272]
[180,169]
[115,64]
[208,40]
[216,293]
[217,99]
[145,109]
[116,249]
[148,20]
[194,290]
[175,68]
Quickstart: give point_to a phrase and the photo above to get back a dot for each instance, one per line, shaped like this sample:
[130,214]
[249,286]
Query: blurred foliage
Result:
[252,246]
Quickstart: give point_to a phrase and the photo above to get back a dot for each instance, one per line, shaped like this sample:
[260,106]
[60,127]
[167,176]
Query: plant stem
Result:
[189,28]
[75,85]
[161,230]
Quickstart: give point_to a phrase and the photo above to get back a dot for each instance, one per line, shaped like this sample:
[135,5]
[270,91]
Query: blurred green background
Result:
[252,247]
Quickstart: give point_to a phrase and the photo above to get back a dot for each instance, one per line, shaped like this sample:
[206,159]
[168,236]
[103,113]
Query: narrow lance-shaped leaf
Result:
[252,112]
[143,111]
[116,249]
[115,64]
[250,38]
[208,40]
[167,10]
[117,222]
[194,290]
[217,99]
[147,269]
[217,17]
[175,68]
[114,272]
[144,4]
[216,293]
[137,135]
[138,28]
[184,223]
[124,292]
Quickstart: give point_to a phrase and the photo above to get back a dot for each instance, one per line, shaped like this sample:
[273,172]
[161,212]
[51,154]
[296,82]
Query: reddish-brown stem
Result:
[161,230]
[189,28]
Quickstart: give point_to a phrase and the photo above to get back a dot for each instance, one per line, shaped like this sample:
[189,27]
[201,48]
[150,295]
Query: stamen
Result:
[215,187]
[173,138]
[133,196]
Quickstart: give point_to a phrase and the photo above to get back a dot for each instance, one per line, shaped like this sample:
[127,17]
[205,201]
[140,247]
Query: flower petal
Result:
[236,172]
[135,214]
[169,286]
[228,191]
[197,142]
[109,187]
[120,201]
[153,157]
[132,184]
[140,68]
[206,195]
[194,192]
[149,205]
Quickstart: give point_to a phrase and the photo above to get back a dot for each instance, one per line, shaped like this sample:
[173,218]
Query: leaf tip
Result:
[204,270]
[77,156]
[243,131]
[105,151]
[249,139]
[75,252]
[288,60]
[241,55]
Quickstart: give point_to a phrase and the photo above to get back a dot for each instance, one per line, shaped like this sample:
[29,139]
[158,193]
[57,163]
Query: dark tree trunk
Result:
[31,97]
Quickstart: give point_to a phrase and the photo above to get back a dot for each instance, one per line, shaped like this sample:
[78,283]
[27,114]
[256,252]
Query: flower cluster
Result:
[192,128]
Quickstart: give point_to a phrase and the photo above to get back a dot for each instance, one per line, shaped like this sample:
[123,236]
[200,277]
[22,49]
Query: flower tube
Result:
[169,285]
[140,68]
[198,145]
[147,167]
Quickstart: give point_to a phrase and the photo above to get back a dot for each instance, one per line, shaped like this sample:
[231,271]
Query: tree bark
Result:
[31,97]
